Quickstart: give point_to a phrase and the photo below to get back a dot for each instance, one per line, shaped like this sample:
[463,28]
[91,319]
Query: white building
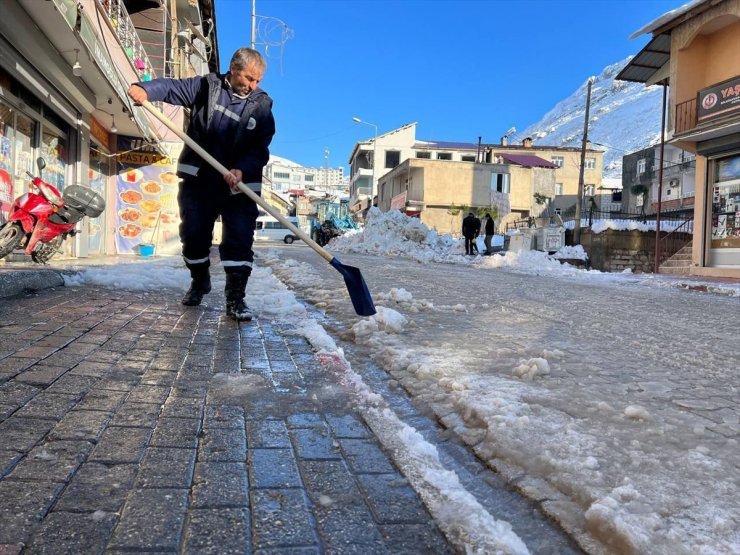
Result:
[284,175]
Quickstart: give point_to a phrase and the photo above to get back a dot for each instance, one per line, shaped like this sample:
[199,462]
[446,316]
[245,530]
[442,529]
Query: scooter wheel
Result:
[11,235]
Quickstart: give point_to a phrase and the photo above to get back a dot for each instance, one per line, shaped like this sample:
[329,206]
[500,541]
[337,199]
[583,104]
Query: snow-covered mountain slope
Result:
[624,117]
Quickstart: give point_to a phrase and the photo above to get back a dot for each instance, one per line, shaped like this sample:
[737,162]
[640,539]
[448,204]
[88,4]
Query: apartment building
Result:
[640,174]
[284,175]
[395,147]
[694,50]
[65,67]
[440,192]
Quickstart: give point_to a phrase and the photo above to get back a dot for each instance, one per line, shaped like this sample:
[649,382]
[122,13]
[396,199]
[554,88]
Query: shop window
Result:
[726,203]
[54,151]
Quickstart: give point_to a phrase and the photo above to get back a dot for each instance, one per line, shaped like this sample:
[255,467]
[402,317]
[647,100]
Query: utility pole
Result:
[577,226]
[254,24]
[326,168]
[656,269]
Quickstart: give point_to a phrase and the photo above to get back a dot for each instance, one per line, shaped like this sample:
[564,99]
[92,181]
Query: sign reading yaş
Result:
[719,100]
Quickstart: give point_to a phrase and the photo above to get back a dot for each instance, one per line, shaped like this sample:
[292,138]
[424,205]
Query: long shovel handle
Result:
[246,190]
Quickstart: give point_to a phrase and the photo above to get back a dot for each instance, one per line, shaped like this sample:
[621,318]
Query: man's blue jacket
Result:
[248,151]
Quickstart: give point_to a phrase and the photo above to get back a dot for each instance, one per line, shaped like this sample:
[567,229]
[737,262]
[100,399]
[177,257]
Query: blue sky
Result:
[460,68]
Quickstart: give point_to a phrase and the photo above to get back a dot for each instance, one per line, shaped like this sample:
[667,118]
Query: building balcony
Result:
[685,116]
[123,28]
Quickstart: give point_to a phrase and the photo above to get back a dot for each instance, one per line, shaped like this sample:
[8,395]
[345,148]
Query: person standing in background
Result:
[489,230]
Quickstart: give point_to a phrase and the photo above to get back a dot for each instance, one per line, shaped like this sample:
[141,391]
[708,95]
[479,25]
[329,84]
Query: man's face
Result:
[245,80]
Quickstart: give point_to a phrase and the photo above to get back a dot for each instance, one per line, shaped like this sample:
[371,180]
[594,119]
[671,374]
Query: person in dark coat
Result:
[231,118]
[470,230]
[489,229]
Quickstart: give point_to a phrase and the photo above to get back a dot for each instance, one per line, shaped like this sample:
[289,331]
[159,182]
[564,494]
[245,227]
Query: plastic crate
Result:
[83,199]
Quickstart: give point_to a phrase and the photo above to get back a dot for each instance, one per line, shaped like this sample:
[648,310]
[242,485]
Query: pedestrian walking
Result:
[470,230]
[489,230]
[231,117]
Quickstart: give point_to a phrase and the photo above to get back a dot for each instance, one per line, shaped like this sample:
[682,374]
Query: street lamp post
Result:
[375,141]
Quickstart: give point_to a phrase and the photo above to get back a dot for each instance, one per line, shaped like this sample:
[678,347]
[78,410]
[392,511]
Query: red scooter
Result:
[41,219]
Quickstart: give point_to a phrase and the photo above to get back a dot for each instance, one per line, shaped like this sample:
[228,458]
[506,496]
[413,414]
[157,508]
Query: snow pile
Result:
[394,233]
[575,252]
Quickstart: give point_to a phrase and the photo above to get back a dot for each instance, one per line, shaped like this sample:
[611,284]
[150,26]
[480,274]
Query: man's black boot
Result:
[199,286]
[236,285]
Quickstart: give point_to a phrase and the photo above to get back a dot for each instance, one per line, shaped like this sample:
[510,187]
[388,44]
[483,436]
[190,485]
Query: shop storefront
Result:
[724,208]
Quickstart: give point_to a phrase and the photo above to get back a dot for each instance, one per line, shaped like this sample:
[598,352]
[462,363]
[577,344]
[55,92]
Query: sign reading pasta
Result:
[146,197]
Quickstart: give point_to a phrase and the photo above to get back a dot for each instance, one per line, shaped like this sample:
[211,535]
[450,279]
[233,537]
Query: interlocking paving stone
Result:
[315,443]
[346,528]
[149,393]
[183,407]
[348,426]
[41,375]
[273,468]
[218,532]
[48,405]
[166,468]
[220,484]
[139,415]
[176,432]
[63,532]
[392,499]
[281,518]
[224,417]
[152,519]
[411,539]
[22,506]
[54,460]
[121,445]
[267,433]
[98,487]
[223,444]
[17,393]
[364,455]
[23,433]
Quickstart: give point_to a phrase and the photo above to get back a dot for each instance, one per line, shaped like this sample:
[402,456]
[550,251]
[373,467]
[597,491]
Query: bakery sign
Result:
[719,100]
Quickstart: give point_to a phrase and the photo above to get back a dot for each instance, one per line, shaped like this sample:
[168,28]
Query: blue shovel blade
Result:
[357,288]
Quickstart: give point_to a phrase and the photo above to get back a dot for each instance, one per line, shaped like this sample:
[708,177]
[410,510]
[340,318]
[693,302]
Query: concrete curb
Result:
[14,281]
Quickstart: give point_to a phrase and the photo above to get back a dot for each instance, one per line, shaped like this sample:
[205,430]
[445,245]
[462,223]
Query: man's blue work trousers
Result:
[201,201]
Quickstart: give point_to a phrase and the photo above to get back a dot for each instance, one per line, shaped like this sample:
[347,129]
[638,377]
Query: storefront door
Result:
[724,240]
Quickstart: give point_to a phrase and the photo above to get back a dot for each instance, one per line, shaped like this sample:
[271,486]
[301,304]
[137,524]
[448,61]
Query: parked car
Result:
[270,229]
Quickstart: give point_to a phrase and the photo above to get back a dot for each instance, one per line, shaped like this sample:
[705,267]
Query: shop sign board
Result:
[146,211]
[68,9]
[719,100]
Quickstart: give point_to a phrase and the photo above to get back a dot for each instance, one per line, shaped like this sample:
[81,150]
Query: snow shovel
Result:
[356,286]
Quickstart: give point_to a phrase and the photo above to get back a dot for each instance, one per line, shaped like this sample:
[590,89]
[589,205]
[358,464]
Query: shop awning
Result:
[650,65]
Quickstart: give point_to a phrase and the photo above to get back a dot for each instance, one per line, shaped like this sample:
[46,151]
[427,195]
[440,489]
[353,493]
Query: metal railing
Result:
[676,239]
[124,29]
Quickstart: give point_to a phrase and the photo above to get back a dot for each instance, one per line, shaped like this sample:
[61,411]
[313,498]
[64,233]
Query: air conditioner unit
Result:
[673,183]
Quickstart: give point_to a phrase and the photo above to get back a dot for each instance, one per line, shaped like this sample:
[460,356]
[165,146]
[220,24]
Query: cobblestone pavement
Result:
[129,423]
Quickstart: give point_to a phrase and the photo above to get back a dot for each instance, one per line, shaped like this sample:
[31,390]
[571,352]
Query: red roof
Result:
[527,160]
[297,192]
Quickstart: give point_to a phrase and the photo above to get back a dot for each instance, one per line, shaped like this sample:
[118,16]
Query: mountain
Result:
[624,118]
